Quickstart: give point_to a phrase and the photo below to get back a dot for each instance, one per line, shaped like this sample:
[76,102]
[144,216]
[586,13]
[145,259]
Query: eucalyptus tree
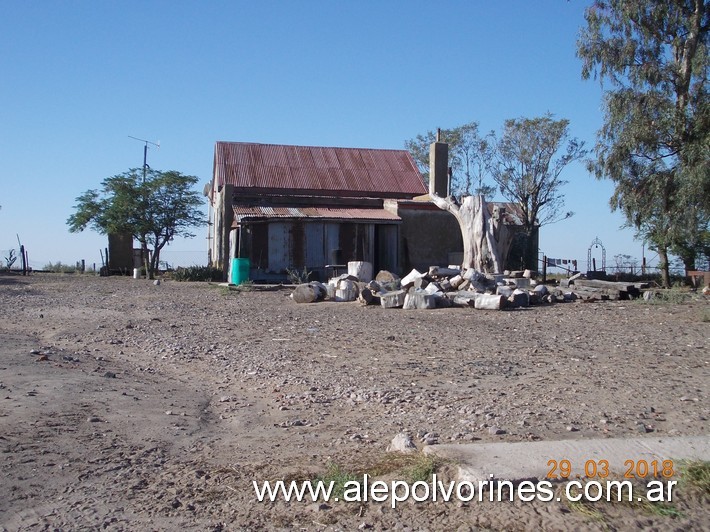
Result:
[651,56]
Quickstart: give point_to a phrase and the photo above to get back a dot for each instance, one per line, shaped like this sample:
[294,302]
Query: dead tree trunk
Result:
[486,238]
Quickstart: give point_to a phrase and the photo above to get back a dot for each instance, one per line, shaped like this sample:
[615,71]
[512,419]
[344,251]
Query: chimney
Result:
[439,167]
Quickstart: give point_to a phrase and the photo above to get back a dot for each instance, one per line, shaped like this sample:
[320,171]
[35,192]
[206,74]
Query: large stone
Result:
[409,279]
[456,281]
[506,291]
[433,288]
[419,300]
[440,271]
[374,287]
[383,276]
[366,297]
[305,293]
[522,282]
[360,269]
[489,302]
[393,299]
[541,290]
[473,275]
[346,290]
[465,298]
[519,298]
[402,443]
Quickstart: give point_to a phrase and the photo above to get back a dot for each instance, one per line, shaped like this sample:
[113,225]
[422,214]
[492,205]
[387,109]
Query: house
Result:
[290,208]
[294,207]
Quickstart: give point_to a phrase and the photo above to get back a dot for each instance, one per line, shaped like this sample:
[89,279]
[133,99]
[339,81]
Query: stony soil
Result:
[130,406]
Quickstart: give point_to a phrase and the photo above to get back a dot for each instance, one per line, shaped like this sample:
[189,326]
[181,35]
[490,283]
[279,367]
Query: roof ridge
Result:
[308,146]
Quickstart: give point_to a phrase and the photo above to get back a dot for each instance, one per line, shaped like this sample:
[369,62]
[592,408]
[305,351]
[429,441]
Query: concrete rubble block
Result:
[527,274]
[456,281]
[566,283]
[522,282]
[506,291]
[360,269]
[393,299]
[478,286]
[519,298]
[374,287]
[419,300]
[541,290]
[443,301]
[433,288]
[346,290]
[367,297]
[473,275]
[465,298]
[331,290]
[409,279]
[489,302]
[440,271]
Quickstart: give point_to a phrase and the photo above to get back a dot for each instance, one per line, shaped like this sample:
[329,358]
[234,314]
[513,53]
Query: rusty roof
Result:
[342,172]
[315,213]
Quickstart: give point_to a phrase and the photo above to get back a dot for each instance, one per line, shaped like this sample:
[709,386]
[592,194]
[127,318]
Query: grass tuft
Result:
[339,477]
[697,475]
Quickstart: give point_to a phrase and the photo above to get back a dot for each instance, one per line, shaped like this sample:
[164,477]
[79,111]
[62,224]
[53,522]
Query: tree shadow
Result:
[10,278]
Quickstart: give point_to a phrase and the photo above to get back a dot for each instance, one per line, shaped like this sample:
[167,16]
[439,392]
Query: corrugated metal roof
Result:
[323,213]
[332,171]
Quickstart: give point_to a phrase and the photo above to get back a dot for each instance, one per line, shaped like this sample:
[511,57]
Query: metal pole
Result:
[145,160]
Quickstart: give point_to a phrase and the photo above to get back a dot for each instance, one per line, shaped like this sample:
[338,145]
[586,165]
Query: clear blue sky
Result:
[79,77]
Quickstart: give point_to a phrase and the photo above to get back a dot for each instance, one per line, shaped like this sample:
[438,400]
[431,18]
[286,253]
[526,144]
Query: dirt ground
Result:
[130,406]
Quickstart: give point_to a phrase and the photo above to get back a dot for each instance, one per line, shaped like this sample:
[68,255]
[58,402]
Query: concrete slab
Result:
[531,460]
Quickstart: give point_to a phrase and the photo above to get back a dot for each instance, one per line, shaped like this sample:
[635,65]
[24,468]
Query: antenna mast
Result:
[145,152]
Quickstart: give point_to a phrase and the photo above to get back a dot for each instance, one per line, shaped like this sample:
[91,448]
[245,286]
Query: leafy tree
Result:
[527,165]
[469,157]
[655,141]
[153,206]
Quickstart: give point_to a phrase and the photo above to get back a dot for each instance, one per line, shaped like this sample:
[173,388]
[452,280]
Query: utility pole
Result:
[145,153]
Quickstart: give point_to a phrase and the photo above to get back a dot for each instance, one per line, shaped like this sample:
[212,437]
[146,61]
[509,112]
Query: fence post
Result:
[544,269]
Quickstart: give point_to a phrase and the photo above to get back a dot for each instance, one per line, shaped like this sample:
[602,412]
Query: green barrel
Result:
[240,271]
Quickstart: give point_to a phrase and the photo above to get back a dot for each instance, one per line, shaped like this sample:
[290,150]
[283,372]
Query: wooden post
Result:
[544,269]
[23,257]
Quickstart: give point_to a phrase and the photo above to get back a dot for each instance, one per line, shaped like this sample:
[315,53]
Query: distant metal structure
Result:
[145,152]
[591,263]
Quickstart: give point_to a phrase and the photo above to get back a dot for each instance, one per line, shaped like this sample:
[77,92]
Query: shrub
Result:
[58,267]
[298,277]
[197,273]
